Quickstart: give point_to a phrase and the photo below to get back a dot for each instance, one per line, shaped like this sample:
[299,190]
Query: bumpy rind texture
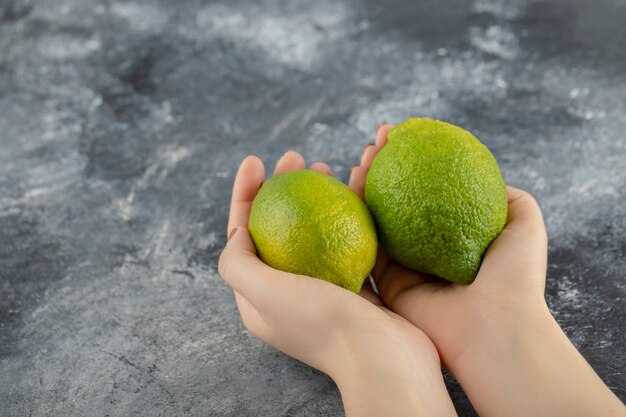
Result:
[437,197]
[311,224]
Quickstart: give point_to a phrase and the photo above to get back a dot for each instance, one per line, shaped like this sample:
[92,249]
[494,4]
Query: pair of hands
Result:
[391,342]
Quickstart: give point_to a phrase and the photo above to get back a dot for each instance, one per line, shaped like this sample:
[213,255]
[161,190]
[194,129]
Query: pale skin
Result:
[382,364]
[496,336]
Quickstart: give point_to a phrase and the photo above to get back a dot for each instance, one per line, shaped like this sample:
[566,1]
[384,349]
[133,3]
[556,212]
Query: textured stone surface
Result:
[121,125]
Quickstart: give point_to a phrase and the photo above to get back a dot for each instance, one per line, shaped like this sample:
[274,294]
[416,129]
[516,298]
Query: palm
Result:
[434,305]
[366,313]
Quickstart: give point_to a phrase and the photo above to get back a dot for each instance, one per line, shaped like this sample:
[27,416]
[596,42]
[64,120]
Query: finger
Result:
[418,302]
[358,175]
[381,134]
[382,262]
[367,292]
[321,167]
[290,161]
[392,279]
[396,279]
[248,180]
[368,155]
[523,212]
[521,246]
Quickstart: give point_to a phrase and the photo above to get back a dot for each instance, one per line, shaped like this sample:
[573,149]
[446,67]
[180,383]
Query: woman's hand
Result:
[382,364]
[497,335]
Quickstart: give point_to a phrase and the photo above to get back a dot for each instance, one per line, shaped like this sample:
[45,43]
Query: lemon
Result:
[312,224]
[437,197]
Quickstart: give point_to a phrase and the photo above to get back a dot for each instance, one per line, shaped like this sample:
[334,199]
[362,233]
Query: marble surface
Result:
[121,126]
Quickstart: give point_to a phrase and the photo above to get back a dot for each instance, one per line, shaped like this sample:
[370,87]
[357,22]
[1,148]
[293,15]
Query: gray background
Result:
[121,126]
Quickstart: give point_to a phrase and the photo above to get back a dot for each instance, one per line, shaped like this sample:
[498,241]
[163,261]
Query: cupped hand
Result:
[512,275]
[351,337]
[496,335]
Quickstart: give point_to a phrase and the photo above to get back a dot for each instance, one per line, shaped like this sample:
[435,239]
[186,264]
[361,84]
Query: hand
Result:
[496,335]
[382,364]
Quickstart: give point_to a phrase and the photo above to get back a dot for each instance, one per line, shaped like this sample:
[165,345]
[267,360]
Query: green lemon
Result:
[310,223]
[437,197]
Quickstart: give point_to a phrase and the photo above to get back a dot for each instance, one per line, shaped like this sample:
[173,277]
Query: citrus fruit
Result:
[309,223]
[437,197]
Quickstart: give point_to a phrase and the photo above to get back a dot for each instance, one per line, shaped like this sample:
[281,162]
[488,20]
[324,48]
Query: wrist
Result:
[386,374]
[527,366]
[498,330]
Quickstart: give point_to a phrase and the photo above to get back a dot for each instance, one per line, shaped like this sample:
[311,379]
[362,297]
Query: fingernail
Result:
[368,145]
[380,125]
[354,166]
[232,233]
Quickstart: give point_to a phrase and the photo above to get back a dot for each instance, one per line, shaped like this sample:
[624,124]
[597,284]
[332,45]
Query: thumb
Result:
[522,246]
[258,283]
[239,265]
[524,214]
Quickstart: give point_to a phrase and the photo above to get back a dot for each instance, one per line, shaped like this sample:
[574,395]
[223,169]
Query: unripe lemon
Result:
[437,197]
[312,224]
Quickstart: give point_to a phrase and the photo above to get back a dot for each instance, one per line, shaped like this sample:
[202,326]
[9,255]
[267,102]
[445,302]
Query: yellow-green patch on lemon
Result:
[437,197]
[309,223]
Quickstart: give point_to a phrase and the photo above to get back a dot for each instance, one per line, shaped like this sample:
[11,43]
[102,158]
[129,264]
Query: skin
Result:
[382,364]
[382,348]
[497,335]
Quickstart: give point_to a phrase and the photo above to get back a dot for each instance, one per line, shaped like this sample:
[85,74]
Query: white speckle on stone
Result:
[595,188]
[294,40]
[442,51]
[124,206]
[163,114]
[165,160]
[497,40]
[319,128]
[48,181]
[95,103]
[9,206]
[172,156]
[586,186]
[569,294]
[605,343]
[159,243]
[57,125]
[142,17]
[501,83]
[506,9]
[159,118]
[418,93]
[221,174]
[535,178]
[61,46]
[208,241]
